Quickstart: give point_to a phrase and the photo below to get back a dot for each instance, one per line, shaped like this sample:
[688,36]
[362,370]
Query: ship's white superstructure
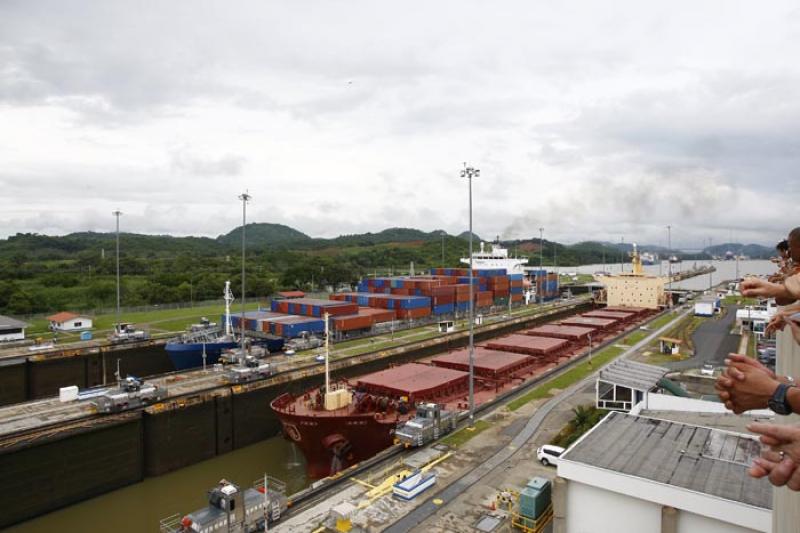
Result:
[497,257]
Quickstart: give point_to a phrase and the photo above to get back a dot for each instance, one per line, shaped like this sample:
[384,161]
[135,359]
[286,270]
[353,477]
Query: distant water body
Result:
[726,270]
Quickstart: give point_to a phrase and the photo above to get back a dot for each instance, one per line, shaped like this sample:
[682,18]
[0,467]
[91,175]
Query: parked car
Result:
[707,370]
[549,454]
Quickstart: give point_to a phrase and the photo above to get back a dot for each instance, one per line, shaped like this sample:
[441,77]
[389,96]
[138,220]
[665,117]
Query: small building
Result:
[12,329]
[625,383]
[756,317]
[669,345]
[635,473]
[66,321]
[706,306]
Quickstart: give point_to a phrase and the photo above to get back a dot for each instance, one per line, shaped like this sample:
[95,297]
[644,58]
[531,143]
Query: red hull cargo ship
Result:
[358,417]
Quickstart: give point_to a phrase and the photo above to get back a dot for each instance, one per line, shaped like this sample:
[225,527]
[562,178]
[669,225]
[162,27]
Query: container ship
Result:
[345,422]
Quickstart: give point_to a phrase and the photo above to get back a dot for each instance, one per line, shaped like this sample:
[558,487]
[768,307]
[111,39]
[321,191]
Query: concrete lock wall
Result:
[33,377]
[183,434]
[62,471]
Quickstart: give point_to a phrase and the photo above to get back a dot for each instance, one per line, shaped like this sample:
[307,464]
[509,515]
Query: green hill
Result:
[262,235]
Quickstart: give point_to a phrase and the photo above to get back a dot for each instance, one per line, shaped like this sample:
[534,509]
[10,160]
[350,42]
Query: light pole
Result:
[590,349]
[469,173]
[669,263]
[442,235]
[117,214]
[541,265]
[244,197]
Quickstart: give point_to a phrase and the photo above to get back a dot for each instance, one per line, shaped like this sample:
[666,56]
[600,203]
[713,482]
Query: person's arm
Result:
[760,288]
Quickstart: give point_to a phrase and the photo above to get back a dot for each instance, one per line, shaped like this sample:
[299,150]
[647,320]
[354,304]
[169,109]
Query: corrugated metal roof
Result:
[6,322]
[634,375]
[699,459]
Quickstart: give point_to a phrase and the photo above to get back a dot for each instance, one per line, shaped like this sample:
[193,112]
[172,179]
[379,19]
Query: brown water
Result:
[138,508]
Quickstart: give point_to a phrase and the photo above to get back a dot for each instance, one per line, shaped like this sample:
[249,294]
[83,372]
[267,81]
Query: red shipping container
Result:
[443,299]
[413,313]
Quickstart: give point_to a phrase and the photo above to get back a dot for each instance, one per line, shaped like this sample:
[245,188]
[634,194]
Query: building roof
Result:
[64,316]
[694,458]
[291,294]
[634,375]
[6,322]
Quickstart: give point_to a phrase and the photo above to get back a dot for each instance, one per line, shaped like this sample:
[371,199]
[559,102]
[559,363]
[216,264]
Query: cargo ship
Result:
[343,423]
[497,257]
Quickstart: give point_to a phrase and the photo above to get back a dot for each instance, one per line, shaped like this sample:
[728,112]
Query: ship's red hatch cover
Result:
[415,380]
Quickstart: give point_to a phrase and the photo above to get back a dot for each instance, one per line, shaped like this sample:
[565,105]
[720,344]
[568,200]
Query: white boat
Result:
[497,257]
[647,258]
[413,485]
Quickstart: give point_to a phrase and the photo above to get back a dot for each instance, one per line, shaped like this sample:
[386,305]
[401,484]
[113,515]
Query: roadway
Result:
[712,341]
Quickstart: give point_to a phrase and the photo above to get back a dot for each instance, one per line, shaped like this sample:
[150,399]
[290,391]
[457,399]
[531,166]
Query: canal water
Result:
[726,270]
[138,508]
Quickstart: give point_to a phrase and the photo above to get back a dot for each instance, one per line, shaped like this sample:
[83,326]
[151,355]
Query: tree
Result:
[20,303]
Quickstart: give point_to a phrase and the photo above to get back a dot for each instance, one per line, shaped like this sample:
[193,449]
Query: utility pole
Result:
[117,214]
[541,265]
[669,263]
[469,173]
[244,197]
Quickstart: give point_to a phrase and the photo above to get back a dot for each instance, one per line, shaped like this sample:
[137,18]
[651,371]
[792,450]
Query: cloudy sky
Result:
[595,120]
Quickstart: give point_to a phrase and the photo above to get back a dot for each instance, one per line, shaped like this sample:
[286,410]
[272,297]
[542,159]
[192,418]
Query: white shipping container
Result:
[68,394]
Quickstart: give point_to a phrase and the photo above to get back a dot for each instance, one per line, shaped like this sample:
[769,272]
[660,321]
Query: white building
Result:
[11,329]
[706,306]
[756,317]
[625,383]
[633,474]
[65,321]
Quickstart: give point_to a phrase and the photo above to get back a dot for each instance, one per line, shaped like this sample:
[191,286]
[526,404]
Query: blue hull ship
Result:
[187,350]
[190,355]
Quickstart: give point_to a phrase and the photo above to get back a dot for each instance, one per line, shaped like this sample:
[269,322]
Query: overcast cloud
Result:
[594,120]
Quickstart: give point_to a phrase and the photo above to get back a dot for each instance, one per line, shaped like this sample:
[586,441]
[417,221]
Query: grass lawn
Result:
[157,319]
[463,435]
[739,300]
[661,321]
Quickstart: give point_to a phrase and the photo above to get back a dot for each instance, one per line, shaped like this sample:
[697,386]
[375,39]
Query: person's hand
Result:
[745,385]
[727,379]
[781,470]
[759,288]
[781,460]
[777,323]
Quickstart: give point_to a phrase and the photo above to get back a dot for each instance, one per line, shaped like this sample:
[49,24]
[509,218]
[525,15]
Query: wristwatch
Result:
[779,401]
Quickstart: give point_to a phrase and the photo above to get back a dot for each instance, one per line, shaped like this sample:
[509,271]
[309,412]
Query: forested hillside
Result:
[40,273]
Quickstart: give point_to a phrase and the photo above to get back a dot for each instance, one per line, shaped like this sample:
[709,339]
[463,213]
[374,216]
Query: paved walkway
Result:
[712,343]
[452,491]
